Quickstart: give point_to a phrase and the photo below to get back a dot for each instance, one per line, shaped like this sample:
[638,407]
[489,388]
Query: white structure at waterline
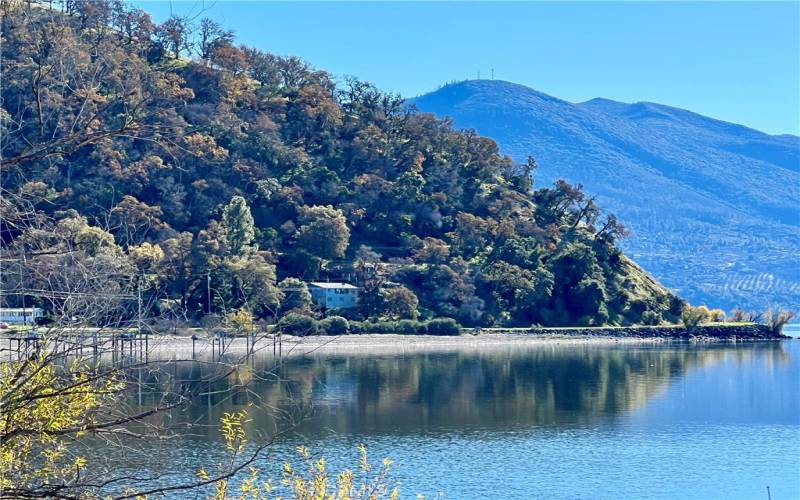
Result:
[20,315]
[333,295]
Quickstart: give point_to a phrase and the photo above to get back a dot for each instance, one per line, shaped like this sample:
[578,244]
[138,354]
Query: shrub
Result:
[651,318]
[776,320]
[211,321]
[443,326]
[383,327]
[405,327]
[739,315]
[716,315]
[694,316]
[372,327]
[334,325]
[352,314]
[408,326]
[44,321]
[357,327]
[306,475]
[372,481]
[240,321]
[297,324]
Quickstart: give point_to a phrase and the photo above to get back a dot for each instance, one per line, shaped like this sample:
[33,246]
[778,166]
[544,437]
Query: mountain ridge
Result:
[596,100]
[733,190]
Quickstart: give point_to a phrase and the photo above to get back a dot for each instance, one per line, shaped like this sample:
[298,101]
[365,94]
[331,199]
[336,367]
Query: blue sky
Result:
[733,61]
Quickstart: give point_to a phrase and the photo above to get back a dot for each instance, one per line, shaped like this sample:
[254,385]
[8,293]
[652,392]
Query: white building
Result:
[333,295]
[20,315]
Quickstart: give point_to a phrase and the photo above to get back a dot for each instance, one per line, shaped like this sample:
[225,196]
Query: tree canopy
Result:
[216,170]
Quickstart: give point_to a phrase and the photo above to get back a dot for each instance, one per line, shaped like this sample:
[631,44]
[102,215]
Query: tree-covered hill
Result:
[216,177]
[712,206]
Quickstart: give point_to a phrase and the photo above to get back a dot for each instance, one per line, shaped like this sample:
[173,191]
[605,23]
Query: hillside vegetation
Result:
[712,206]
[211,177]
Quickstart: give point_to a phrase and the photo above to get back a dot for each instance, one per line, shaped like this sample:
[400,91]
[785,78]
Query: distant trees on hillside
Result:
[209,172]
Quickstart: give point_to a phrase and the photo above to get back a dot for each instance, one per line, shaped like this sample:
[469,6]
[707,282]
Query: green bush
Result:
[384,327]
[352,314]
[297,324]
[651,318]
[403,327]
[357,327]
[438,326]
[408,327]
[443,326]
[334,325]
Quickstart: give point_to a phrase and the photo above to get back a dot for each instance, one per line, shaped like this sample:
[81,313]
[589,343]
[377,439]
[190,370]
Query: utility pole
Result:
[142,342]
[22,288]
[208,291]
[139,304]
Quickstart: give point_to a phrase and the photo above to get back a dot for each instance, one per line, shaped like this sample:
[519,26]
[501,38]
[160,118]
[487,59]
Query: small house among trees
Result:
[334,295]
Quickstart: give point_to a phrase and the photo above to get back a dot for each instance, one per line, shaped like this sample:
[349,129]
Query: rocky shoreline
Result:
[715,331]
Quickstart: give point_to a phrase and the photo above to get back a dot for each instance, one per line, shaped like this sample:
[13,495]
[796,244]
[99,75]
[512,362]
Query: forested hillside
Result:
[712,206]
[215,177]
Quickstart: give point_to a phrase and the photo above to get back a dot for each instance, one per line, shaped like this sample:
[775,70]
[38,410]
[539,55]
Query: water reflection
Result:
[660,421]
[541,386]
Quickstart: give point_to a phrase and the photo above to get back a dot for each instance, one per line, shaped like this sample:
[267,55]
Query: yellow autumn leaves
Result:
[47,407]
[44,407]
[311,482]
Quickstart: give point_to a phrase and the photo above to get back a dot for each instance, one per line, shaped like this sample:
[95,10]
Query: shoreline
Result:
[167,346]
[399,344]
[714,330]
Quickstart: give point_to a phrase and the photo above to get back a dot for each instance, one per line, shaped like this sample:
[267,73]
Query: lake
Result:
[593,421]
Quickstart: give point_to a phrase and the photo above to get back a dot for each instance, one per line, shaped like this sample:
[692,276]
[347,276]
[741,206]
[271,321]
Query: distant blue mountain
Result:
[713,206]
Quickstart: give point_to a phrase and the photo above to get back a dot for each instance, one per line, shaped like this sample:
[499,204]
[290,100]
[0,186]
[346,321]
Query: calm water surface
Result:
[557,421]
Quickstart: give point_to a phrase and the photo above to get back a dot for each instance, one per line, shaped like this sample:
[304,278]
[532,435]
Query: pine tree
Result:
[239,226]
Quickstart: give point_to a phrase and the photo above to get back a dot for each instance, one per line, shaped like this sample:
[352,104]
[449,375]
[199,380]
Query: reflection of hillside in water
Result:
[539,386]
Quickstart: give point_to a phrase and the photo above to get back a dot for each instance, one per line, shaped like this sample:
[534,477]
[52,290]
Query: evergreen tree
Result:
[237,221]
[297,298]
